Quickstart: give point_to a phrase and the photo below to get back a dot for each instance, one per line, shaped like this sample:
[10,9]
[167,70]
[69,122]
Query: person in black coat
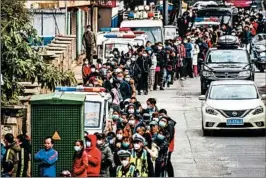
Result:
[144,62]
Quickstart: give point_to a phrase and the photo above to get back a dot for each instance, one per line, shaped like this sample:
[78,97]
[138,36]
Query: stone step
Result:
[61,42]
[58,45]
[54,48]
[63,39]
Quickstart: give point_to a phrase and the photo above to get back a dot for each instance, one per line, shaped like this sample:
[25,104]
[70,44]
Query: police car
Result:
[226,62]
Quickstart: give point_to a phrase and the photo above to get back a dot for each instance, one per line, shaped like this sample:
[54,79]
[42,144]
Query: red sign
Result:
[105,3]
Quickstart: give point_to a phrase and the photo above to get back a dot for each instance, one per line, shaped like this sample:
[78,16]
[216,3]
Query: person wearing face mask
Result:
[195,57]
[188,59]
[94,156]
[86,70]
[124,87]
[125,169]
[161,64]
[107,155]
[80,160]
[181,54]
[151,78]
[89,41]
[139,156]
[144,63]
[151,106]
[167,127]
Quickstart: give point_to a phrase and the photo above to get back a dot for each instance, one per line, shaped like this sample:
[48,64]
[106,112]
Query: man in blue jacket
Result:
[47,158]
[188,60]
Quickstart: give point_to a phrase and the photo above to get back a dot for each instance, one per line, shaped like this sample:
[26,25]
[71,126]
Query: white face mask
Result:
[144,55]
[159,47]
[131,122]
[119,136]
[156,119]
[88,144]
[124,163]
[136,146]
[149,52]
[128,63]
[77,148]
[127,79]
[93,69]
[86,62]
[133,59]
[131,111]
[99,142]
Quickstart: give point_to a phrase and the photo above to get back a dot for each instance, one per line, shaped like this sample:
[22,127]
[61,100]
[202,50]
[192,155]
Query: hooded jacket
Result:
[12,154]
[107,160]
[94,158]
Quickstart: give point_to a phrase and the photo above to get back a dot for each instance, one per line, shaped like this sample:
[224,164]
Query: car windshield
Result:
[259,39]
[111,46]
[154,34]
[138,42]
[227,56]
[233,92]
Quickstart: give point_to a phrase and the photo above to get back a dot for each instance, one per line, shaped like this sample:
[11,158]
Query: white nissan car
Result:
[232,104]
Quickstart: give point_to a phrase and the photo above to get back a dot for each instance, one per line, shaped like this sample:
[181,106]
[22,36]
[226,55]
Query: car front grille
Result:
[234,126]
[226,74]
[234,113]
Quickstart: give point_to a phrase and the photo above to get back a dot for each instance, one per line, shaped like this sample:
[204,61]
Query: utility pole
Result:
[165,12]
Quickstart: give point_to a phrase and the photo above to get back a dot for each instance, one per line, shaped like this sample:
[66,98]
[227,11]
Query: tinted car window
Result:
[227,56]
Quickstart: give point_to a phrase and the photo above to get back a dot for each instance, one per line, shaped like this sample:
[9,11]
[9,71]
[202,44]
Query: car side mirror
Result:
[202,97]
[263,97]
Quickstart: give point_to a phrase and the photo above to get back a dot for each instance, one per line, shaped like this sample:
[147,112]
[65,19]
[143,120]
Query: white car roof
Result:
[141,23]
[234,82]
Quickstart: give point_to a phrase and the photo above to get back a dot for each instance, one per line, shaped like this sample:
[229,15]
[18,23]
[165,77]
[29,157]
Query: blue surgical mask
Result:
[162,124]
[125,144]
[115,117]
[160,137]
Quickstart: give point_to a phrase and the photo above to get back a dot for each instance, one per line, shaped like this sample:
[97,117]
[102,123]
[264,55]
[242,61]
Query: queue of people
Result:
[138,140]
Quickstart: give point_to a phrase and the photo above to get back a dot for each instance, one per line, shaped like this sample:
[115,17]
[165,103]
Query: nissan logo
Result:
[234,113]
[226,74]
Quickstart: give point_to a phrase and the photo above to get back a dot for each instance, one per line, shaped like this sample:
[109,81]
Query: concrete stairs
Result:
[60,52]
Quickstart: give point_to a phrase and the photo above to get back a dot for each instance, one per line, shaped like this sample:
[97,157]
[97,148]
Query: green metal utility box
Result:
[60,115]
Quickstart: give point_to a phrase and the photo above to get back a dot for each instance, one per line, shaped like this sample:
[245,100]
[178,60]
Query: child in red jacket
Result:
[94,156]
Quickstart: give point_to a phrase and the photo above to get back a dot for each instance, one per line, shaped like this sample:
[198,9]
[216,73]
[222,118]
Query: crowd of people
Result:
[138,140]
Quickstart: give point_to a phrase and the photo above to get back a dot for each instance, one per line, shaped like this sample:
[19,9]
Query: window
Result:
[120,46]
[233,92]
[227,56]
[154,34]
[92,114]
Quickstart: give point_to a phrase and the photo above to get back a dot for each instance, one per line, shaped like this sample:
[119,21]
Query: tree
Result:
[21,62]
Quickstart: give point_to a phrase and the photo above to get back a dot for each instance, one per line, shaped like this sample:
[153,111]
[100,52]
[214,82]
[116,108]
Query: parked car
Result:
[232,104]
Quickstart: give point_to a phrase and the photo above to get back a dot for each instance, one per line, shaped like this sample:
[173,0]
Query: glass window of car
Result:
[92,114]
[154,34]
[120,46]
[233,92]
[227,56]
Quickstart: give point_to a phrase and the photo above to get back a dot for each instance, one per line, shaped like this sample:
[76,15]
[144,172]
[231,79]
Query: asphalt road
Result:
[234,154]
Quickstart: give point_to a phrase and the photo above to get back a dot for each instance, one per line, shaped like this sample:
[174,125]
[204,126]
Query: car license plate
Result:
[234,122]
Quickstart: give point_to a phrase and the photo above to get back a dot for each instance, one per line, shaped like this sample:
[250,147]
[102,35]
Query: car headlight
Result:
[211,111]
[207,73]
[258,110]
[244,74]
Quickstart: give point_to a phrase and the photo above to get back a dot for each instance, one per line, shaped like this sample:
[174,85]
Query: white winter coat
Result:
[196,51]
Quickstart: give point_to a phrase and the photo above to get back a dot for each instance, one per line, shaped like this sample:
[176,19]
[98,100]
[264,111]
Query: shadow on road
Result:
[239,133]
